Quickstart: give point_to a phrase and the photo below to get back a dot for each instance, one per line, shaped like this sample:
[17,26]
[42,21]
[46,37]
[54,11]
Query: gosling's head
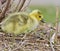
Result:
[37,14]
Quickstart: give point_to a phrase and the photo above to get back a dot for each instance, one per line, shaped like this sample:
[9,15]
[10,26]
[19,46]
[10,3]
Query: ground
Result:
[37,40]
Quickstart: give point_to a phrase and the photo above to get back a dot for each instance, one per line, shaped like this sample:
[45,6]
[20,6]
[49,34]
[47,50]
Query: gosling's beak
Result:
[42,21]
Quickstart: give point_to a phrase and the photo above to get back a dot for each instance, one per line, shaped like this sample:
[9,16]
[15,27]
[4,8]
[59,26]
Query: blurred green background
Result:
[48,10]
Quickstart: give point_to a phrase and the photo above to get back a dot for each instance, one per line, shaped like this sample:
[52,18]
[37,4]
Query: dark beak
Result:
[42,21]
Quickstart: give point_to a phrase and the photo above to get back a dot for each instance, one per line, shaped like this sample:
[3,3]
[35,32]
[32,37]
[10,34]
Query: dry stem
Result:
[20,5]
[5,9]
[57,21]
[25,7]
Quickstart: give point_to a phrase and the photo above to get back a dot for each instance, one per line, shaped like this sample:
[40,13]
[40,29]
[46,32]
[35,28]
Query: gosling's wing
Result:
[23,18]
[14,21]
[20,17]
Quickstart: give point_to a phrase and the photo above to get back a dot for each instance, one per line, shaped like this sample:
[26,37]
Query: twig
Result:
[17,5]
[25,7]
[5,9]
[54,36]
[57,21]
[57,45]
[52,41]
[21,5]
[13,6]
[19,46]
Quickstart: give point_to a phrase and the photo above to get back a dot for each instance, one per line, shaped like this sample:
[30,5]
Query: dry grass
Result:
[38,40]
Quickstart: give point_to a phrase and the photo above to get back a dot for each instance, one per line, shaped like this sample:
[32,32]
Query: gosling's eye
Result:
[39,16]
